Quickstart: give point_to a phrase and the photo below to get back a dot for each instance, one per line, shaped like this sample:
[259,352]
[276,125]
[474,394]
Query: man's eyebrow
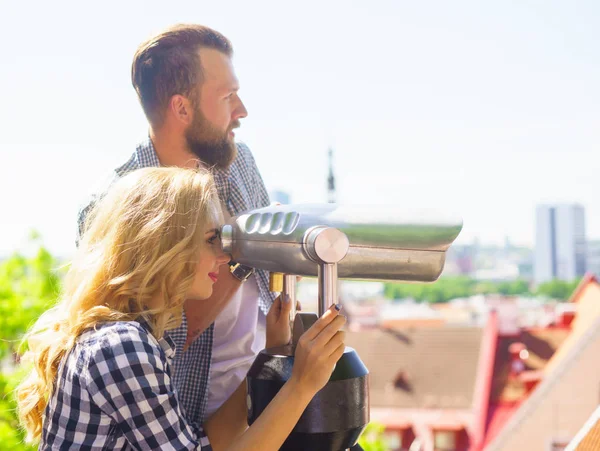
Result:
[230,87]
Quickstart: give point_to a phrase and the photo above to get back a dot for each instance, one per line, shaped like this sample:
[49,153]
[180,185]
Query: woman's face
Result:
[207,268]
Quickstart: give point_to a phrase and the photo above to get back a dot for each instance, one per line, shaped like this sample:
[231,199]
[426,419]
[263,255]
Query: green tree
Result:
[28,286]
[372,439]
[513,287]
[558,289]
[447,288]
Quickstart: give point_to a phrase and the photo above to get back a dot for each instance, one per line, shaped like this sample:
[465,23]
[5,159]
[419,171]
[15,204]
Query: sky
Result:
[476,108]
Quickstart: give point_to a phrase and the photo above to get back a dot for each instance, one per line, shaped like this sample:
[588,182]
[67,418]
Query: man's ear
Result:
[181,109]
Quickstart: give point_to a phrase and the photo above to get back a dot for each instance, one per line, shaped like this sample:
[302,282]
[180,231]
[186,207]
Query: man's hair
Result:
[168,64]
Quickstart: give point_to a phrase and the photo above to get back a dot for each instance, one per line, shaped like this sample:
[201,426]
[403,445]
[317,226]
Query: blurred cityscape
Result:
[508,366]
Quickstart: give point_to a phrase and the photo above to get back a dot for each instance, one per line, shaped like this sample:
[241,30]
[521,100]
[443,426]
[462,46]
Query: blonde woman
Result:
[101,376]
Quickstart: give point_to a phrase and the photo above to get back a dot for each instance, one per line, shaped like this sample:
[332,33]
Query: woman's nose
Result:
[223,258]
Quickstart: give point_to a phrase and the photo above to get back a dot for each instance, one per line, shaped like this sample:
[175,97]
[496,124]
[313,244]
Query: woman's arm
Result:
[230,421]
[275,424]
[317,352]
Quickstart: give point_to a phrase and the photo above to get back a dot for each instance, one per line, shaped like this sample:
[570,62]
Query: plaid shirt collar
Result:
[166,342]
[146,155]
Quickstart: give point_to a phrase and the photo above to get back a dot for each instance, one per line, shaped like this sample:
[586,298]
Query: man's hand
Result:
[279,332]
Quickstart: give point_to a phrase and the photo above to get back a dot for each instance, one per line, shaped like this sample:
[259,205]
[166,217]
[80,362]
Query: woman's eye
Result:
[213,239]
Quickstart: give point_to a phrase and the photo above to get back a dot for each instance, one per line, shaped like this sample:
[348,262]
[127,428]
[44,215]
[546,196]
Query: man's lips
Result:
[213,275]
[235,125]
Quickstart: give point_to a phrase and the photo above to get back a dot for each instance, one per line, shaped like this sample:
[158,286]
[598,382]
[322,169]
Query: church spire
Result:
[331,180]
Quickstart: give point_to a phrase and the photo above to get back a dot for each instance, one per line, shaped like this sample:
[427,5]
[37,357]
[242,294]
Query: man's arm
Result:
[260,196]
[261,190]
[84,212]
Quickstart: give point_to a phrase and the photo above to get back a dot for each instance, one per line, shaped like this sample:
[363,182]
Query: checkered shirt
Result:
[240,188]
[114,391]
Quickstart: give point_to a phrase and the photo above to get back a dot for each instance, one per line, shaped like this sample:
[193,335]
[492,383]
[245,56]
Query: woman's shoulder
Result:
[124,341]
[118,364]
[115,331]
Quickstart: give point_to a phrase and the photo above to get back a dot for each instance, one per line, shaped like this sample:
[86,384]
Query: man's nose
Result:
[241,111]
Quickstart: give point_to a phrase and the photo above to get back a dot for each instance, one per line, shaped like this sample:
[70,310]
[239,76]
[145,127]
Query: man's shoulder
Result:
[245,156]
[143,156]
[109,178]
[92,197]
[130,165]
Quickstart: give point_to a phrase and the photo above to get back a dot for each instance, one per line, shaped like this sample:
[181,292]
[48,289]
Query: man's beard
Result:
[212,147]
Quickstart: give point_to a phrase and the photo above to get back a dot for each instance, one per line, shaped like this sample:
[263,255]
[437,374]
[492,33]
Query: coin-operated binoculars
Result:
[332,241]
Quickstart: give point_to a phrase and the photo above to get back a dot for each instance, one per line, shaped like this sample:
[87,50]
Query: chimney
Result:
[518,355]
[402,381]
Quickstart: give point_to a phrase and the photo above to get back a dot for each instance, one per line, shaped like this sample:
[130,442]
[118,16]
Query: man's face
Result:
[217,111]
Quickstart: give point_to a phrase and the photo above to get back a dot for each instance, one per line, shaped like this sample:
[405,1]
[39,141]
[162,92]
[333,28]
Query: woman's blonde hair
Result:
[141,246]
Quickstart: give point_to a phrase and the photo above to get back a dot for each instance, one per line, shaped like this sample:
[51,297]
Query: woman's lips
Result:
[213,275]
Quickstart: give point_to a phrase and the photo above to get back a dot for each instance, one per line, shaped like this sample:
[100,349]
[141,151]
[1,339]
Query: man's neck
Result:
[172,150]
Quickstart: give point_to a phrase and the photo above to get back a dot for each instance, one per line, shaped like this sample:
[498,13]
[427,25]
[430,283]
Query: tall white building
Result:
[560,246]
[593,257]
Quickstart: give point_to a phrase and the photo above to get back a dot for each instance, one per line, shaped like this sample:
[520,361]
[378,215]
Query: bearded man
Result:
[187,87]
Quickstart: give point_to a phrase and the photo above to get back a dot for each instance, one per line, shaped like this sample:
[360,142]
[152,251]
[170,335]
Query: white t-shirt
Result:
[239,335]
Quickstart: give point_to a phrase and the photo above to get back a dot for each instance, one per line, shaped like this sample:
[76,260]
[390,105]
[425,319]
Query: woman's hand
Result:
[279,332]
[318,350]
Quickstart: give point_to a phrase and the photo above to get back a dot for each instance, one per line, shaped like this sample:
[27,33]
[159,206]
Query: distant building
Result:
[460,260]
[593,257]
[280,196]
[560,248]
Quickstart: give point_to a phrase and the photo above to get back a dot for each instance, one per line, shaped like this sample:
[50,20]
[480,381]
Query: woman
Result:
[101,376]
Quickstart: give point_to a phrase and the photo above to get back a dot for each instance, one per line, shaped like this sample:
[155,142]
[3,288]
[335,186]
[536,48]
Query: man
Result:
[188,90]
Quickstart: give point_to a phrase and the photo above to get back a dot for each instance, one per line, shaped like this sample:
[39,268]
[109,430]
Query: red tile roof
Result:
[437,366]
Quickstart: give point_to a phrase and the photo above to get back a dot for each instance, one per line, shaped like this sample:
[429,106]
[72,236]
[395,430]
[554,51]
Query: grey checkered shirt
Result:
[240,188]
